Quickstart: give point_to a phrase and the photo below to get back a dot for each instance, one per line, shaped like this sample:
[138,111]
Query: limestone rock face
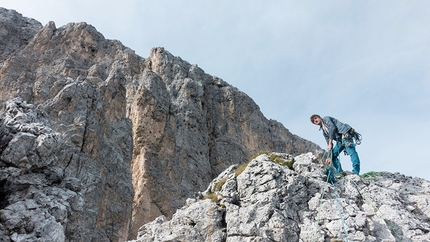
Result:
[270,202]
[188,127]
[96,140]
[65,141]
[15,32]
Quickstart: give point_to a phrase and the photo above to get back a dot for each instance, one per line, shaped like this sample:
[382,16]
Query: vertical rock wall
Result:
[188,127]
[101,141]
[66,143]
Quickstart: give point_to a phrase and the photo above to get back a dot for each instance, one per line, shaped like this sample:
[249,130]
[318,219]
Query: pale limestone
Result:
[114,139]
[274,203]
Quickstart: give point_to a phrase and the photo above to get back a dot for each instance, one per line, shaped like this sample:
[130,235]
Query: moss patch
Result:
[372,175]
[278,160]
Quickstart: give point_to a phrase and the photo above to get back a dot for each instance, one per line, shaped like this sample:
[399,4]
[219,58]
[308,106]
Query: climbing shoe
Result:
[342,174]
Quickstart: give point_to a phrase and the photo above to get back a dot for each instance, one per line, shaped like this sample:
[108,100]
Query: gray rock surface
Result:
[16,32]
[188,122]
[270,202]
[96,140]
[51,189]
[66,143]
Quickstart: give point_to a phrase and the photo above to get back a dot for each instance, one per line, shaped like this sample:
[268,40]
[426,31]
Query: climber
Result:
[344,135]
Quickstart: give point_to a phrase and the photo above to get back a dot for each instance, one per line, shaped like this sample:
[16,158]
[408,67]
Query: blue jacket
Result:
[335,128]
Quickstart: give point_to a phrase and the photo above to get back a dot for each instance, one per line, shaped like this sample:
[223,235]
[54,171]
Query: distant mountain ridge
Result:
[96,140]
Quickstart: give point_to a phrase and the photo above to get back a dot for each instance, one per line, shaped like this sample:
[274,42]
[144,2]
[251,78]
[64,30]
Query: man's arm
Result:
[330,144]
[332,131]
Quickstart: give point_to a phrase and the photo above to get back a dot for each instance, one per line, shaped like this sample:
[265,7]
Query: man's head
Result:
[316,119]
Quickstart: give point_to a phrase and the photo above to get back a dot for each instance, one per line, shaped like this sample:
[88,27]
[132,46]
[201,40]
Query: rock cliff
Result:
[188,122]
[268,201]
[96,141]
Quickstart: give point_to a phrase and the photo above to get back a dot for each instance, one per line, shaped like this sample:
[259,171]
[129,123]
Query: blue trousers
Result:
[348,145]
[330,175]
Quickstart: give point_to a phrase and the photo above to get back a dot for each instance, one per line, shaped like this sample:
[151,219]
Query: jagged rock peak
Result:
[268,201]
[96,141]
[16,31]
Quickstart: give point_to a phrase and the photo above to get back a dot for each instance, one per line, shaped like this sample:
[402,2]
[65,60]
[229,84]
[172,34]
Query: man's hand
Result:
[327,161]
[330,144]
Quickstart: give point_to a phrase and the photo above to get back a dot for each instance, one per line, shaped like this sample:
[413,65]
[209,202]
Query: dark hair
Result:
[313,116]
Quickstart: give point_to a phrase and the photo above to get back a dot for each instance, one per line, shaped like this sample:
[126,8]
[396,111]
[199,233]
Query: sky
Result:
[366,63]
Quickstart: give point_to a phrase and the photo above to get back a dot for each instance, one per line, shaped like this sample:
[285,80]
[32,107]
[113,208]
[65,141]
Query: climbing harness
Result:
[350,139]
[355,136]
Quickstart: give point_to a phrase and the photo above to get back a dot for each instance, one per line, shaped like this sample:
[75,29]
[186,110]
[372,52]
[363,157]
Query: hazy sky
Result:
[366,63]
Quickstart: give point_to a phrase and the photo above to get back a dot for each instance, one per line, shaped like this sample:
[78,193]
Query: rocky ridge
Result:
[268,201]
[96,141]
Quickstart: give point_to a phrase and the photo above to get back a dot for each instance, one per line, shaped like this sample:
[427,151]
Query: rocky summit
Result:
[96,141]
[278,197]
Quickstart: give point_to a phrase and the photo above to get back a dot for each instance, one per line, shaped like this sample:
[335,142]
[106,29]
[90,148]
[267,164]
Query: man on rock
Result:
[344,135]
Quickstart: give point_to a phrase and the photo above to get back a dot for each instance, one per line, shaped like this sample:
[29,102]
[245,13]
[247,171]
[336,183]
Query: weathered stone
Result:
[200,222]
[65,139]
[275,203]
[16,32]
[100,141]
[196,124]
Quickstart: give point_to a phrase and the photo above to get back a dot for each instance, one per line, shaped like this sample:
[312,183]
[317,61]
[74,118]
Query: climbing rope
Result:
[340,213]
[322,196]
[320,201]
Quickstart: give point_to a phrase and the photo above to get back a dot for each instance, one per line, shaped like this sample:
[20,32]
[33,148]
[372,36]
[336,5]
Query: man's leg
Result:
[335,157]
[330,174]
[354,159]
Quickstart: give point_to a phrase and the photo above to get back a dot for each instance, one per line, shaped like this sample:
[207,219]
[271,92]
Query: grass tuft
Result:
[212,196]
[219,184]
[240,169]
[278,160]
[372,175]
[260,153]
